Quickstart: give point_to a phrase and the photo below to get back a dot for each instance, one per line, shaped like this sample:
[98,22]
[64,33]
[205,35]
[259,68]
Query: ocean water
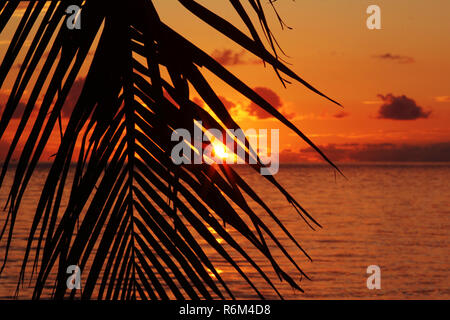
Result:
[395,216]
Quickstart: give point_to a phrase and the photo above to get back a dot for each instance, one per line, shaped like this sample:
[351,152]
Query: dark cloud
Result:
[385,152]
[19,110]
[66,110]
[395,57]
[227,103]
[270,96]
[229,57]
[400,108]
[17,113]
[341,114]
[4,147]
[72,97]
[290,156]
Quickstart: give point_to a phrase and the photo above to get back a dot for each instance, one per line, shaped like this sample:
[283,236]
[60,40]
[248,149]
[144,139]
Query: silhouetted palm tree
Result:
[135,223]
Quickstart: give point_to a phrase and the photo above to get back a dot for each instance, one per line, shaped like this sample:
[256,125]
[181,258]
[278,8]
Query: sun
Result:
[220,151]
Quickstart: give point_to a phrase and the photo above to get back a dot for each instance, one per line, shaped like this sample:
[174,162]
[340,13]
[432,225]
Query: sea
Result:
[395,216]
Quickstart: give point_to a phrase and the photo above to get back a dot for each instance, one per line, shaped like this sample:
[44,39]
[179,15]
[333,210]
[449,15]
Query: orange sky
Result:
[331,47]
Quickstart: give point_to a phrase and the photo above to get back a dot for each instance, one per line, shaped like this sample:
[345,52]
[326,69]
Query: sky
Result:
[393,83]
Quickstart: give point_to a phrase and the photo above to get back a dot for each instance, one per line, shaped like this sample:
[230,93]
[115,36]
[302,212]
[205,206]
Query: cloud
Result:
[400,108]
[395,57]
[72,97]
[289,156]
[341,114]
[373,152]
[228,57]
[66,110]
[4,147]
[389,152]
[227,103]
[273,98]
[19,109]
[442,99]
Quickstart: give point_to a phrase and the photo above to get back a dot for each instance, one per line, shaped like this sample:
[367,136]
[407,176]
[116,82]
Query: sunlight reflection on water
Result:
[396,216]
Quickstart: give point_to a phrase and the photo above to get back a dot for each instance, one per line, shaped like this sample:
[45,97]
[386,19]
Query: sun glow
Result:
[220,151]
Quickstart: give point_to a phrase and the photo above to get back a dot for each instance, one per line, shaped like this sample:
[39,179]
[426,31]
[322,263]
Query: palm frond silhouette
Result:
[136,224]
